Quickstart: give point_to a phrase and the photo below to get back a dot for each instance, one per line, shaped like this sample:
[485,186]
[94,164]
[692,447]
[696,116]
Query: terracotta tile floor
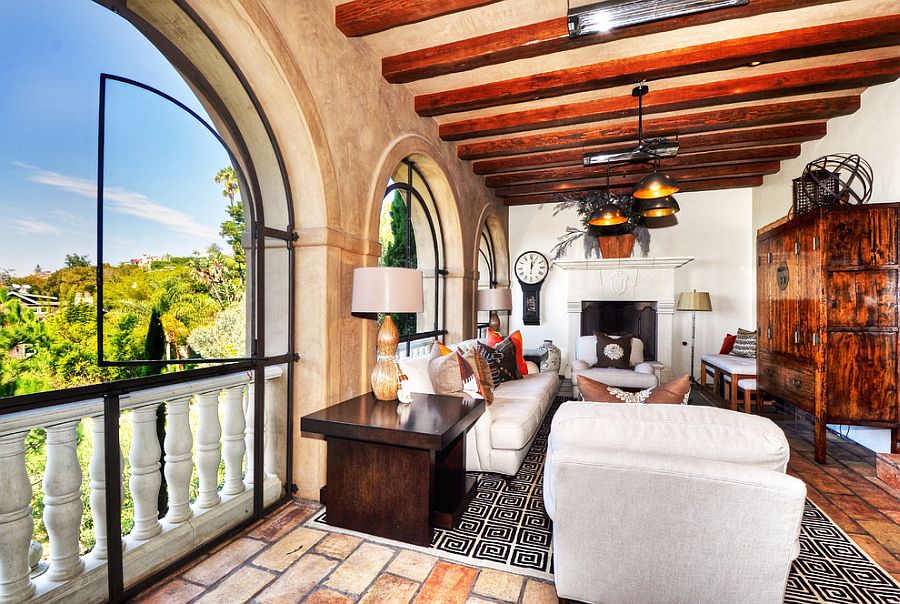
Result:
[279,560]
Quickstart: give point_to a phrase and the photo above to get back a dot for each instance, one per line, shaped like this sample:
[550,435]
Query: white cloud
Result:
[123,202]
[32,227]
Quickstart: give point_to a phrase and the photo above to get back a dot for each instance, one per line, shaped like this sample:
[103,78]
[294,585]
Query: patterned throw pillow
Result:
[502,359]
[450,372]
[482,373]
[613,351]
[494,338]
[744,344]
[676,392]
[492,358]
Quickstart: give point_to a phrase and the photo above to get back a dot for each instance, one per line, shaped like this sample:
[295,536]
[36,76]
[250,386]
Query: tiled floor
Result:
[281,561]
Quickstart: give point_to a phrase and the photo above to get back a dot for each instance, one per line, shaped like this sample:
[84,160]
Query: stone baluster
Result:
[179,463]
[62,501]
[209,455]
[273,429]
[233,446]
[97,474]
[249,434]
[145,476]
[16,523]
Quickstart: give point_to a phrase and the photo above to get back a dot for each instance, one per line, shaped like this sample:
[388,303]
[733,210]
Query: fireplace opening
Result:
[617,317]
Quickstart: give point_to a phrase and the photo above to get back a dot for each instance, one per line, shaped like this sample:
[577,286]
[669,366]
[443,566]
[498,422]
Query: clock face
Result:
[532,267]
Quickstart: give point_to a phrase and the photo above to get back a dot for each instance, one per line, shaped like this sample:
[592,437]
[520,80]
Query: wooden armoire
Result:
[827,313]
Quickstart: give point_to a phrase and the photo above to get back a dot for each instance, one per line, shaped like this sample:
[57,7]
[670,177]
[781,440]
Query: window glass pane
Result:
[173,245]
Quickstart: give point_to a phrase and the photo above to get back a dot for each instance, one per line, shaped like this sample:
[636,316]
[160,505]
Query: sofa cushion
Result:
[674,430]
[613,351]
[416,370]
[620,378]
[586,350]
[731,364]
[536,386]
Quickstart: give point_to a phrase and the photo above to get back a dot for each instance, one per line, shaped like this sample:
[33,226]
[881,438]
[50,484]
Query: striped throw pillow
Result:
[744,344]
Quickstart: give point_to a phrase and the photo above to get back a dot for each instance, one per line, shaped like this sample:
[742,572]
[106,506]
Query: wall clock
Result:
[531,269]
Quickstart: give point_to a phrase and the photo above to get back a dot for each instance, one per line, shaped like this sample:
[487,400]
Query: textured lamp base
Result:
[385,376]
[494,322]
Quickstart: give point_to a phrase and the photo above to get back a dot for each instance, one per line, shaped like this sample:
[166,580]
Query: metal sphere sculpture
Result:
[842,178]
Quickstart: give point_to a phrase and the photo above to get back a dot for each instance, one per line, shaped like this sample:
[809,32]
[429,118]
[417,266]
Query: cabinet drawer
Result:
[792,381]
[800,385]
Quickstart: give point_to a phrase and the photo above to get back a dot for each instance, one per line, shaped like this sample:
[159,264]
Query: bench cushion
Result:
[731,364]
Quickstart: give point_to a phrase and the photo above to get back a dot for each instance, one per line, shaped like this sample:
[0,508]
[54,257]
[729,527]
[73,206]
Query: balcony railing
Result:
[209,423]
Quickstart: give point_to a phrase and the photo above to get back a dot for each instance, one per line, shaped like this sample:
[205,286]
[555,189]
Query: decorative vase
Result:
[553,360]
[616,246]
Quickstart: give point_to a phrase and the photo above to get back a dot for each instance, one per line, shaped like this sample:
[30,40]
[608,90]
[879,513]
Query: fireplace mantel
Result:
[671,262]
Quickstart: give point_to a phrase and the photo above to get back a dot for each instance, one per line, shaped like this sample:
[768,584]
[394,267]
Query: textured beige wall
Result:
[341,130]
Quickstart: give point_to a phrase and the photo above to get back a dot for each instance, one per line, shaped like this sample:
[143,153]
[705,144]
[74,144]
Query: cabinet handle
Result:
[770,372]
[769,257]
[796,383]
[796,248]
[815,243]
[815,338]
[796,337]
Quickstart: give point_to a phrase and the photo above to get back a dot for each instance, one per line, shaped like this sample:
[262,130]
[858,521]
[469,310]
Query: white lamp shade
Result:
[694,301]
[387,289]
[498,298]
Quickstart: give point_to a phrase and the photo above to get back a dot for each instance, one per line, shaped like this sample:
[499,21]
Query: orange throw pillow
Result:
[516,337]
[493,338]
[675,392]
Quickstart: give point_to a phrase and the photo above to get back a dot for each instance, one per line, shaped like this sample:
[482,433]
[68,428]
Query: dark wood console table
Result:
[396,470]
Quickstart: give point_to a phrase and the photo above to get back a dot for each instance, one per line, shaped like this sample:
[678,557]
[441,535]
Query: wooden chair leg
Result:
[717,381]
[703,370]
[747,400]
[732,394]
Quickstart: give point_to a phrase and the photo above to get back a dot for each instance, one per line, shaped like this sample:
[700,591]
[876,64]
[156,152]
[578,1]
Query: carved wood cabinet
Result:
[827,297]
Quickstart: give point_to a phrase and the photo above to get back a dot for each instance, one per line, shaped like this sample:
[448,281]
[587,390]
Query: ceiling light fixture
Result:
[613,14]
[655,185]
[659,208]
[608,215]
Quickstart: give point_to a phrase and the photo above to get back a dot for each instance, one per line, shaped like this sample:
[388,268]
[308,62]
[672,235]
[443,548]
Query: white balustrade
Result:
[62,501]
[179,464]
[233,446]
[16,524]
[97,475]
[249,433]
[208,453]
[145,479]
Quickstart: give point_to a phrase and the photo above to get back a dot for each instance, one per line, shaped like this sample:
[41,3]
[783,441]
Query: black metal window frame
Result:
[436,230]
[490,255]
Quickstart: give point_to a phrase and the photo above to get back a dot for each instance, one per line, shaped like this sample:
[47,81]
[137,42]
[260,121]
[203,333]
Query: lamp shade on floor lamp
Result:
[694,301]
[494,299]
[381,289]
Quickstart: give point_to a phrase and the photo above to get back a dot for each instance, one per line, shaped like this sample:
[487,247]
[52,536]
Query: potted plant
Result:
[613,241]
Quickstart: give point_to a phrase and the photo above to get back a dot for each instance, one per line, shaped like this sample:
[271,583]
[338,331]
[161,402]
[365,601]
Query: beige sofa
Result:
[641,375]
[500,439]
[670,503]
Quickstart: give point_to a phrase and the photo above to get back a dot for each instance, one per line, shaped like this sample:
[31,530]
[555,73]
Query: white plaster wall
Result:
[714,227]
[871,132]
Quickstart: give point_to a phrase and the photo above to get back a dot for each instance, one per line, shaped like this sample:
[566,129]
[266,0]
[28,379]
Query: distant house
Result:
[41,305]
[145,261]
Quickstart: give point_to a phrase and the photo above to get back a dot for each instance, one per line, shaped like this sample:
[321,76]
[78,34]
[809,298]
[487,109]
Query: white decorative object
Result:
[145,476]
[208,454]
[97,474]
[233,446]
[62,501]
[16,523]
[179,463]
[403,393]
[554,357]
[249,434]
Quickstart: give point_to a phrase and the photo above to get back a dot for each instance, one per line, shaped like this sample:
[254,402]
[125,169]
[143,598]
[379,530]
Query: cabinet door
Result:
[862,376]
[764,283]
[784,307]
[809,289]
[861,237]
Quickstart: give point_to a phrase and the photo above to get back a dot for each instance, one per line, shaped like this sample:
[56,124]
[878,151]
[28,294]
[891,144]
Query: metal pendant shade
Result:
[608,215]
[659,208]
[655,185]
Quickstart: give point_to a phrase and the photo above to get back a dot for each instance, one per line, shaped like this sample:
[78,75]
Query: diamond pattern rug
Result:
[506,527]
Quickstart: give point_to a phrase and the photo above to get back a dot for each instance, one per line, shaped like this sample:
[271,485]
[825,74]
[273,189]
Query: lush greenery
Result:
[393,238]
[176,308]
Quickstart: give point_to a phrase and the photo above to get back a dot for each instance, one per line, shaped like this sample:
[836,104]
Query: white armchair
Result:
[641,375]
[670,503]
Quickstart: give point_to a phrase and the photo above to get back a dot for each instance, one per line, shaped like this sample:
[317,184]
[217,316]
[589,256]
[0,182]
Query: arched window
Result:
[411,236]
[487,272]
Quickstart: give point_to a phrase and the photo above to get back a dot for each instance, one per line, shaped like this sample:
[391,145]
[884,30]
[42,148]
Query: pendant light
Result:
[659,208]
[609,214]
[656,184]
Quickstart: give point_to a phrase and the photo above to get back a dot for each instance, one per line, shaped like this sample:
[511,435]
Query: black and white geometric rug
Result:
[506,527]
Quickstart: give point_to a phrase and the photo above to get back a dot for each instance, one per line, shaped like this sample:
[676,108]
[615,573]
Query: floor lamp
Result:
[693,301]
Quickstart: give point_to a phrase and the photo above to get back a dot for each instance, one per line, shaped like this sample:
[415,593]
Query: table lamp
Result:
[693,301]
[382,289]
[498,298]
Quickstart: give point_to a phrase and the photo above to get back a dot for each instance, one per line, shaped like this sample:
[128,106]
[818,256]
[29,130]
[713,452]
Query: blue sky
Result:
[160,163]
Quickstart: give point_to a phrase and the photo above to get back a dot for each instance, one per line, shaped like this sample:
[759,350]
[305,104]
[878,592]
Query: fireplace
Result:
[619,317]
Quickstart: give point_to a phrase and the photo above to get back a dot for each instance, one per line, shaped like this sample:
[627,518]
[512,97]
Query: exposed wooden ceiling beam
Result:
[713,184]
[721,119]
[693,160]
[724,92]
[624,180]
[549,37]
[364,17]
[726,54]
[732,139]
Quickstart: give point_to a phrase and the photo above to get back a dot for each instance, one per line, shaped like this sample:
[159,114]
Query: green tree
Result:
[73,260]
[233,229]
[393,253]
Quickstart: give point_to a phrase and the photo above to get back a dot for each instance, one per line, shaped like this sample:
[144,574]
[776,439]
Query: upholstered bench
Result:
[727,371]
[748,387]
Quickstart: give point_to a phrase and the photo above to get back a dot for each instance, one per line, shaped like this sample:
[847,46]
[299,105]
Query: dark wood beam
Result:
[713,184]
[732,139]
[625,180]
[739,90]
[722,119]
[364,17]
[692,160]
[702,58]
[549,37]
